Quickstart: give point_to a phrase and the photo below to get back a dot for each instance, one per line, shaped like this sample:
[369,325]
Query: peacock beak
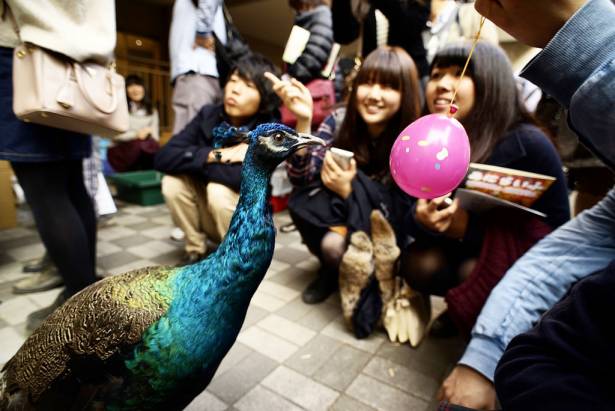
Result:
[304,139]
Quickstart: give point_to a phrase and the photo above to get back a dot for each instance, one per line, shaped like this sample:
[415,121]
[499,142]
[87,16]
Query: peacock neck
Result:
[248,244]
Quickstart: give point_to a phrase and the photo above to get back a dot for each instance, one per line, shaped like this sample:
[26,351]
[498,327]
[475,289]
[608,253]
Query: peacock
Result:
[152,338]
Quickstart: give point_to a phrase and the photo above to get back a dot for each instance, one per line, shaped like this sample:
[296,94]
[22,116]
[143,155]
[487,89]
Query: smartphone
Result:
[342,157]
[445,204]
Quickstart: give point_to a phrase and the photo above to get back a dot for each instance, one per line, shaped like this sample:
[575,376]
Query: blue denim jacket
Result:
[578,68]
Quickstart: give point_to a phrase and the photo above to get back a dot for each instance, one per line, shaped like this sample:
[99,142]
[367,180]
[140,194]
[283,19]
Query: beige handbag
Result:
[53,90]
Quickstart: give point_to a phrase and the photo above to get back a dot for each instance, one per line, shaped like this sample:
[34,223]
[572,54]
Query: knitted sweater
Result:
[79,29]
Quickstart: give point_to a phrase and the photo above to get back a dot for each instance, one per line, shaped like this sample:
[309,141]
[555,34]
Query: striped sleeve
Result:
[304,169]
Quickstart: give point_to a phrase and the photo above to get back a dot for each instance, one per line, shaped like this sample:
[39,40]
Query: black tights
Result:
[64,216]
[435,270]
[328,246]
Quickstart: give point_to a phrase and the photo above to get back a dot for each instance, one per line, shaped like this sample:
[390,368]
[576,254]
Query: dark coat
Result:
[27,142]
[322,208]
[313,59]
[187,151]
[407,20]
[566,361]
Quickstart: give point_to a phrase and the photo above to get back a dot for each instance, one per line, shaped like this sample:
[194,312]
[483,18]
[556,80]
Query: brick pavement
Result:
[289,355]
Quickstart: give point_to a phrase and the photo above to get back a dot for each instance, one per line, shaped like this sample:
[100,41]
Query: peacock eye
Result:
[278,137]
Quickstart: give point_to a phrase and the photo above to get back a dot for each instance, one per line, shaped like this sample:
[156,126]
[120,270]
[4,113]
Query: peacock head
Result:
[272,143]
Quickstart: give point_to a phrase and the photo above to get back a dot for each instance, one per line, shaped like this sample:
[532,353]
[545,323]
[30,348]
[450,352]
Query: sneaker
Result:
[320,289]
[43,281]
[177,234]
[38,265]
[190,258]
[36,318]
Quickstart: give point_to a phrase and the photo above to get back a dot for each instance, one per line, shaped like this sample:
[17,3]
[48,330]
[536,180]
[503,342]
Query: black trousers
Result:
[64,216]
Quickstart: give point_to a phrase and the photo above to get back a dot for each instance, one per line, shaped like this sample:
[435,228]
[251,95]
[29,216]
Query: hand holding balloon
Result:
[434,214]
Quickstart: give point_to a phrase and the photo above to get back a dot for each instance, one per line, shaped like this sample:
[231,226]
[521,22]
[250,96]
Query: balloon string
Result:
[453,110]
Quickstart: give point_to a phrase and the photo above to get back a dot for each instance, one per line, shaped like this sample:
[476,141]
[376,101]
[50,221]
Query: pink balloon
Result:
[431,156]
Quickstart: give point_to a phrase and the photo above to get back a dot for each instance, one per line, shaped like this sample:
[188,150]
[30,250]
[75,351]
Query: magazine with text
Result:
[487,186]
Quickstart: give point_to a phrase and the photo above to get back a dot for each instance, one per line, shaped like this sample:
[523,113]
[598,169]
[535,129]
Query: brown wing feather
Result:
[99,320]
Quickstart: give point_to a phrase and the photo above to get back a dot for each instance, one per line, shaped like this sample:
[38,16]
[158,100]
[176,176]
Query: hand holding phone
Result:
[342,157]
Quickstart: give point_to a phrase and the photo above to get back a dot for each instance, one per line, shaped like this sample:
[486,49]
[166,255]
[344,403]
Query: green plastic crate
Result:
[139,187]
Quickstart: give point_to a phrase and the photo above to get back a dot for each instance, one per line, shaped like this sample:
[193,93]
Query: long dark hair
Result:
[146,103]
[497,107]
[393,67]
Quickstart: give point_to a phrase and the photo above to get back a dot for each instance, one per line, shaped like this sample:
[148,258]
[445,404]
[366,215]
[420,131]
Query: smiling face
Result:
[440,89]
[377,104]
[241,99]
[135,92]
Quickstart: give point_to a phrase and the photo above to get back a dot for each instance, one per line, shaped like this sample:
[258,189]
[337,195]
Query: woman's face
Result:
[440,88]
[377,104]
[135,92]
[241,98]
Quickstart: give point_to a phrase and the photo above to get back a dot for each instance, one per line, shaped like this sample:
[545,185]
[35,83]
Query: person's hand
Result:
[335,178]
[296,98]
[144,133]
[234,154]
[531,22]
[206,42]
[469,388]
[435,215]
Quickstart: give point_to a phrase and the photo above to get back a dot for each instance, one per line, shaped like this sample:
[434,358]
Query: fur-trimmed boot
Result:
[386,254]
[356,267]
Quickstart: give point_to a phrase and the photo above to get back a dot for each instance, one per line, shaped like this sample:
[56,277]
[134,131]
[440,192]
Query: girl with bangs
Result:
[458,253]
[331,201]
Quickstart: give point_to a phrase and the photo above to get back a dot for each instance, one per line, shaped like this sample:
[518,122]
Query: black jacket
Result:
[566,361]
[313,59]
[407,20]
[187,151]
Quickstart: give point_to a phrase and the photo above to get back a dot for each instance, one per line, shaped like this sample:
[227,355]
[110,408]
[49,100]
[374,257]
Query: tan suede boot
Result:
[386,254]
[356,267]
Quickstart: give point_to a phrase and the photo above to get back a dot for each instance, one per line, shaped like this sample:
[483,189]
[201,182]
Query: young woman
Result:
[451,244]
[135,148]
[201,187]
[332,201]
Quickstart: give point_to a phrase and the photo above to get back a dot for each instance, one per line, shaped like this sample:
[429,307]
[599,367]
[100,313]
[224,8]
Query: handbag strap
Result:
[109,77]
[7,11]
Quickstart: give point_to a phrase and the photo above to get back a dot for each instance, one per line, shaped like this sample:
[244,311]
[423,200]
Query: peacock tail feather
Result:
[87,325]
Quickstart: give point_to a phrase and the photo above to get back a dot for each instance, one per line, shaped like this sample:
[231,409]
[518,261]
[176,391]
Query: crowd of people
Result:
[530,293]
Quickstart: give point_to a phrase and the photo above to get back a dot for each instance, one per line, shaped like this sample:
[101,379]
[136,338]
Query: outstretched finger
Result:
[273,78]
[299,85]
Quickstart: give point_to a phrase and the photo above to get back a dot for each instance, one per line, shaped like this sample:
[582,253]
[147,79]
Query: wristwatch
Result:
[218,155]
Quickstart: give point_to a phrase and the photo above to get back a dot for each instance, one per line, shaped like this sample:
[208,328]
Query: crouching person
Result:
[201,185]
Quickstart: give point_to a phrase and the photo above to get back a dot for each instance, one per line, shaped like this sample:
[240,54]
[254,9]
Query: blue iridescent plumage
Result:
[201,307]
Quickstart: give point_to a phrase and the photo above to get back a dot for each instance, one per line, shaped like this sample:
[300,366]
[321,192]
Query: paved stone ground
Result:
[289,355]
